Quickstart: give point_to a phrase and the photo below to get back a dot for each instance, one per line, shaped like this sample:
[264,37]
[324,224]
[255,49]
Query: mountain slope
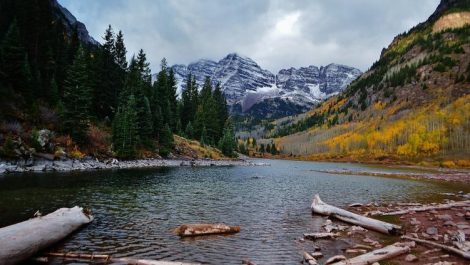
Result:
[412,105]
[254,91]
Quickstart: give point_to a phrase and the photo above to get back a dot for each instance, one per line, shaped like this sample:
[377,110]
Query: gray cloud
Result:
[276,34]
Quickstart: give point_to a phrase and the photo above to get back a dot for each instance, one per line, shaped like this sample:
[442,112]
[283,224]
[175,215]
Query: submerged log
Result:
[376,255]
[187,230]
[106,259]
[315,236]
[21,241]
[458,252]
[318,206]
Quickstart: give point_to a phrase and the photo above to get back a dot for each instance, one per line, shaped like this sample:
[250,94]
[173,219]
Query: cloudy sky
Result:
[276,34]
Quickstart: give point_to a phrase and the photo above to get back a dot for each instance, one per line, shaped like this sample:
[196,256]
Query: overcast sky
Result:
[276,34]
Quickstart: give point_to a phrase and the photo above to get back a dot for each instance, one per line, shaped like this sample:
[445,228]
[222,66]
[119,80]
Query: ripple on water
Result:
[136,210]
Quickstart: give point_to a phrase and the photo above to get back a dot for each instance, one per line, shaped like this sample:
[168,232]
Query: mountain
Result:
[412,105]
[255,91]
[70,23]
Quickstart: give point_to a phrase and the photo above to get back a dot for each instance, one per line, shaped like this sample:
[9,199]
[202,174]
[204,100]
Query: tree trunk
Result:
[318,206]
[21,241]
[376,255]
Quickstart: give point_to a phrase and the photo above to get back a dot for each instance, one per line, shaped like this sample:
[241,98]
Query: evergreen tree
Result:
[125,130]
[221,110]
[172,99]
[203,139]
[228,144]
[261,148]
[268,148]
[189,101]
[15,62]
[77,98]
[166,141]
[189,131]
[108,38]
[120,51]
[53,93]
[273,149]
[161,97]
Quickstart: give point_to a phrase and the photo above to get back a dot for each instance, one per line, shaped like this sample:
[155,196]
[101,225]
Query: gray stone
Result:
[411,258]
[431,230]
[444,217]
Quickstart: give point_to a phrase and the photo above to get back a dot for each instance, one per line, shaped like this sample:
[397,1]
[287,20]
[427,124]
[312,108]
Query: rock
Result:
[355,205]
[467,216]
[449,223]
[414,221]
[444,217]
[431,230]
[463,226]
[335,259]
[411,258]
[316,254]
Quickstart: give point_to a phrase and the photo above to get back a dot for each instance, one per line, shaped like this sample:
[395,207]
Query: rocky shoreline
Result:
[45,165]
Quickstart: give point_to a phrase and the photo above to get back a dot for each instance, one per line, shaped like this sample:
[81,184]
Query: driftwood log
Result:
[458,252]
[309,259]
[376,255]
[105,259]
[424,208]
[21,241]
[188,230]
[319,207]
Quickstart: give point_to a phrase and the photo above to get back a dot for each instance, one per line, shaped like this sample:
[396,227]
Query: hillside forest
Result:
[89,100]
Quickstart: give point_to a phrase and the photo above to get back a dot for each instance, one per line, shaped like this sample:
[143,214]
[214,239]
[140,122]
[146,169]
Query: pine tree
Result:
[203,139]
[273,149]
[53,93]
[120,51]
[77,98]
[228,144]
[108,38]
[189,131]
[268,148]
[15,63]
[173,100]
[160,96]
[125,130]
[166,141]
[221,110]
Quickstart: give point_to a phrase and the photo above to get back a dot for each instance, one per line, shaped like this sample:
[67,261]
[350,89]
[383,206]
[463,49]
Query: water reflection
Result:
[136,210]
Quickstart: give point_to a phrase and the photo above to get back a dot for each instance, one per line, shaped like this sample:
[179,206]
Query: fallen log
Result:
[315,236]
[427,208]
[105,259]
[319,207]
[188,230]
[21,241]
[458,252]
[309,259]
[376,255]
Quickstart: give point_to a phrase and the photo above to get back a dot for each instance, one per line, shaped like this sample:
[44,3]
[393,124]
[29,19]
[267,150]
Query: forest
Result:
[92,98]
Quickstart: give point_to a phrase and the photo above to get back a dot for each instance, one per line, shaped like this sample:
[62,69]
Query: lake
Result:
[136,210]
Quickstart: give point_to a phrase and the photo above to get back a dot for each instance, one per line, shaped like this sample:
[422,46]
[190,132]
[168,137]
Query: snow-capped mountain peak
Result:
[247,85]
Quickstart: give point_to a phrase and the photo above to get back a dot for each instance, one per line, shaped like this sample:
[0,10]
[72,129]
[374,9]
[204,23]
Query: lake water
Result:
[136,210]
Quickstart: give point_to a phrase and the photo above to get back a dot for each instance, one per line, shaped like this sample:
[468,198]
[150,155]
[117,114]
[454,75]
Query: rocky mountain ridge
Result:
[250,89]
[70,22]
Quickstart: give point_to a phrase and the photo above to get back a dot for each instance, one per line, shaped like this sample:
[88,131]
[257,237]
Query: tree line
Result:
[45,68]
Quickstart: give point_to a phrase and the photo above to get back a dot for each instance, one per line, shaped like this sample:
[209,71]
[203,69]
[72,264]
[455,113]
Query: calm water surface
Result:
[136,210]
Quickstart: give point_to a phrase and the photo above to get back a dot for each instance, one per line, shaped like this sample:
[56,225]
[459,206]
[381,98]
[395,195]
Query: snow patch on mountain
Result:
[246,84]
